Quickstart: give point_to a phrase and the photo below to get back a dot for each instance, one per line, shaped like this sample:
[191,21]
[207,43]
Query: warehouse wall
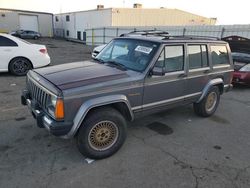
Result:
[9,21]
[117,17]
[156,17]
[79,21]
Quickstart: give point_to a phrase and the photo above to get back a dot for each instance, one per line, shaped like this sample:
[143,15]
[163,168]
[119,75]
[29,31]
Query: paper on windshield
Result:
[143,49]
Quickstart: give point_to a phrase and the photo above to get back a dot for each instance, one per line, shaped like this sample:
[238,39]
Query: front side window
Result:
[172,58]
[130,53]
[219,55]
[198,57]
[7,42]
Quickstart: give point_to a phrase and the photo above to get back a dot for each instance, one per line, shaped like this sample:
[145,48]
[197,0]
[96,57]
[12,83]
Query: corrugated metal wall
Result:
[156,17]
[99,36]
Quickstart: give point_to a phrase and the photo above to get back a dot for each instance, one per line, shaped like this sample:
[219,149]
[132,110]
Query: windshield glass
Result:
[133,54]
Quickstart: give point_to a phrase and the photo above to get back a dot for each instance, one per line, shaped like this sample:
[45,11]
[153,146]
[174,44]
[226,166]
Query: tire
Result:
[208,105]
[35,37]
[20,66]
[102,133]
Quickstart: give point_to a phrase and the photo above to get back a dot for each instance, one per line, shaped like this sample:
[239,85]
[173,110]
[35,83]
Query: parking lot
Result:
[185,151]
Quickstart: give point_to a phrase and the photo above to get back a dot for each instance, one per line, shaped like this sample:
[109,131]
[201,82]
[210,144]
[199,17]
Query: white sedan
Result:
[97,50]
[18,56]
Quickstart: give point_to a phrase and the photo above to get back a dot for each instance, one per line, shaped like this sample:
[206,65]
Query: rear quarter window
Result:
[7,42]
[219,55]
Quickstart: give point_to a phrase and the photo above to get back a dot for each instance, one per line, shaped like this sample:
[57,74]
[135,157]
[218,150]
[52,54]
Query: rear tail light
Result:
[44,51]
[231,77]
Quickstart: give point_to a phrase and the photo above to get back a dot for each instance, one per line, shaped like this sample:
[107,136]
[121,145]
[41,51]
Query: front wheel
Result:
[102,133]
[20,66]
[207,106]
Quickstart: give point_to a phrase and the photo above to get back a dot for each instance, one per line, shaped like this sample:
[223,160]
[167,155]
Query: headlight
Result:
[246,68]
[55,107]
[53,100]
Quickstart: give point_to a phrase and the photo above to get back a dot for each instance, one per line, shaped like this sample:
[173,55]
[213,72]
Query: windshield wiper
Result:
[118,65]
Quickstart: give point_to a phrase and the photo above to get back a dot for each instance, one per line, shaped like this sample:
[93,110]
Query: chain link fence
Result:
[98,36]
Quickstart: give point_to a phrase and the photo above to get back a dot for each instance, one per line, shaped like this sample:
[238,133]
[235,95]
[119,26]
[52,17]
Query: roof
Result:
[25,11]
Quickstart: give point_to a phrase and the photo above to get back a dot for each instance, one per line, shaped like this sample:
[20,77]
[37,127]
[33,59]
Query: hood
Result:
[78,74]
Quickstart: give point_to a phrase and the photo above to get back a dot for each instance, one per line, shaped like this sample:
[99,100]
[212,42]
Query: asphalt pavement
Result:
[171,149]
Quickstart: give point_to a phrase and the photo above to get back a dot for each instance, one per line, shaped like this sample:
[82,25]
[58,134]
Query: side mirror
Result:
[158,71]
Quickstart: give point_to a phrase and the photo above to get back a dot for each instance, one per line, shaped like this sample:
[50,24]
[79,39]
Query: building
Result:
[11,20]
[74,24]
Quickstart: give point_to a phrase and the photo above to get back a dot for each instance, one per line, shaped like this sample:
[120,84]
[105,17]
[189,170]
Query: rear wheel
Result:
[35,37]
[20,66]
[207,106]
[102,133]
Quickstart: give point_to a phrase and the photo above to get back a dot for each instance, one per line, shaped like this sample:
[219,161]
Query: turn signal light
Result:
[59,110]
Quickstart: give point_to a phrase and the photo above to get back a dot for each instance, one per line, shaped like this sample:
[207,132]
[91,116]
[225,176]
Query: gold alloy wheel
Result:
[211,101]
[103,135]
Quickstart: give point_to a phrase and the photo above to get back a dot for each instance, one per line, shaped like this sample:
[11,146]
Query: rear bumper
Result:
[57,128]
[228,87]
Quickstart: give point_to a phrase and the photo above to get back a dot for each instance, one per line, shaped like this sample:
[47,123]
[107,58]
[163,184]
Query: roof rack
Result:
[191,37]
[165,35]
[147,33]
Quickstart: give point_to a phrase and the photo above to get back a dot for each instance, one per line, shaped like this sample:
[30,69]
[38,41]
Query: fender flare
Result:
[211,83]
[96,102]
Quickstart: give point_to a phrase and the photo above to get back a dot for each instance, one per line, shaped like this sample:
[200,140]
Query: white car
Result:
[18,56]
[97,50]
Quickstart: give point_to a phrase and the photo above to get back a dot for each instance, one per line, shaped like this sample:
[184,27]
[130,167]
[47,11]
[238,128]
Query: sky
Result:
[226,11]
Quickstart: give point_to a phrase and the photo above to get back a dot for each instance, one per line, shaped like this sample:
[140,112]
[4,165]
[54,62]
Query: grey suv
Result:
[134,75]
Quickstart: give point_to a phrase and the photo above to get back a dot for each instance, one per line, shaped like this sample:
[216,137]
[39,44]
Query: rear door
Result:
[161,91]
[199,69]
[7,50]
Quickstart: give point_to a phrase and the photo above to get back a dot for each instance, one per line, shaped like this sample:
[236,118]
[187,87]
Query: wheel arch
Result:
[118,102]
[214,82]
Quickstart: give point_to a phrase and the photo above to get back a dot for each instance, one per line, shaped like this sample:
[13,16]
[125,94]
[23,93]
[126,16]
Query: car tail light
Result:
[44,51]
[231,77]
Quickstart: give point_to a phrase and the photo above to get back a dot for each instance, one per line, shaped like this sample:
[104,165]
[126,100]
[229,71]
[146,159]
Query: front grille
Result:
[37,93]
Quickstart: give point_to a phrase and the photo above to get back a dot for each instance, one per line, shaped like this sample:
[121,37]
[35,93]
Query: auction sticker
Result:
[143,49]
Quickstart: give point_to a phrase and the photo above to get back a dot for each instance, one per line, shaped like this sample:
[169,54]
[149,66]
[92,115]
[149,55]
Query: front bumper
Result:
[57,128]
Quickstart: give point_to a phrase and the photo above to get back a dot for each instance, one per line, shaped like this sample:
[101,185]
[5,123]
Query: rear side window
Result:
[219,55]
[198,57]
[7,42]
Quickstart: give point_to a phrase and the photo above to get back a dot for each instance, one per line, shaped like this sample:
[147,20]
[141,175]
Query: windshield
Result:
[132,54]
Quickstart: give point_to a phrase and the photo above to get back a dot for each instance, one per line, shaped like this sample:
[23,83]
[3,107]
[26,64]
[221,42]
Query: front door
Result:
[162,91]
